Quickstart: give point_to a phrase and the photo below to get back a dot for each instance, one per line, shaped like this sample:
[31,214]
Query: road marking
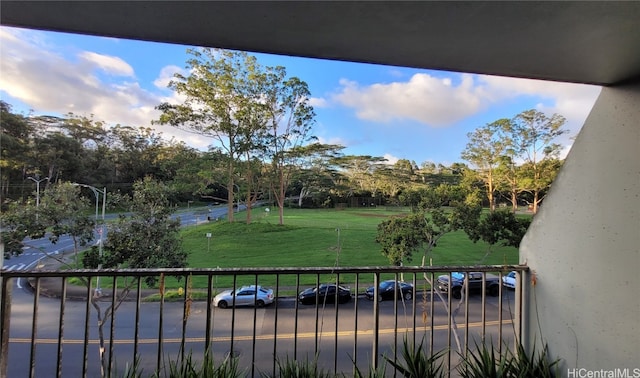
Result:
[14,267]
[302,335]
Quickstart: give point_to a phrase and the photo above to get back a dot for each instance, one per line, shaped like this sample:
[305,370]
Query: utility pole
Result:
[37,181]
[97,193]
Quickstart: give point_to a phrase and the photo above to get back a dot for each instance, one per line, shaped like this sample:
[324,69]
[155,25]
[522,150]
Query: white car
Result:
[509,280]
[244,296]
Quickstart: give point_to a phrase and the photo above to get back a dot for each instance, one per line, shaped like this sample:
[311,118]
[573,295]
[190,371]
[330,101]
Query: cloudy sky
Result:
[394,112]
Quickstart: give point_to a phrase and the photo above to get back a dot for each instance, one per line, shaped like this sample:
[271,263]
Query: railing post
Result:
[522,308]
[376,320]
[5,318]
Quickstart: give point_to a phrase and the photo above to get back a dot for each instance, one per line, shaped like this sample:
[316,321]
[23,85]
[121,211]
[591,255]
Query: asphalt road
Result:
[280,330]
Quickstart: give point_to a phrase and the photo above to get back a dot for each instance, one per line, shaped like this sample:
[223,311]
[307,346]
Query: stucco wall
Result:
[583,245]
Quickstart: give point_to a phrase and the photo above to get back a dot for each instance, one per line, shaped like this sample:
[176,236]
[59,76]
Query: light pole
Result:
[37,191]
[97,193]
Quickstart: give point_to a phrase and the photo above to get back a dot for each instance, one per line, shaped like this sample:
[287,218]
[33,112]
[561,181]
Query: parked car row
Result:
[387,290]
[324,293]
[475,282]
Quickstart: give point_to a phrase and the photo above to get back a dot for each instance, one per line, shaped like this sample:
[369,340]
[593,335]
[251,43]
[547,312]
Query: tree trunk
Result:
[249,204]
[230,193]
[280,197]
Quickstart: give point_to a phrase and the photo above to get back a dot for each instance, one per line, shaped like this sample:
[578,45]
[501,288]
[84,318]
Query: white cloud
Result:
[441,102]
[424,98]
[391,160]
[332,140]
[166,75]
[35,73]
[318,102]
[109,64]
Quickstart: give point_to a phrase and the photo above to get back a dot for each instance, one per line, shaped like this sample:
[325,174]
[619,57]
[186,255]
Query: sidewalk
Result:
[52,286]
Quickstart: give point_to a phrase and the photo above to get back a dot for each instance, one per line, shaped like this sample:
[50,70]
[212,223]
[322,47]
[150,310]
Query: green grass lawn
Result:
[313,238]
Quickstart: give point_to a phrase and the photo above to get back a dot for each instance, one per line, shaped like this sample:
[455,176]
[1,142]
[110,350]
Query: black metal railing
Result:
[64,326]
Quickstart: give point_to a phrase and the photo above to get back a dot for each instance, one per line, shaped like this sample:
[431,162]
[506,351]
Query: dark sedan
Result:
[388,290]
[325,293]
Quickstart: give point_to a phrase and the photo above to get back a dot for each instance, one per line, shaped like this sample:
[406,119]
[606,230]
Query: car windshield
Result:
[386,284]
[457,276]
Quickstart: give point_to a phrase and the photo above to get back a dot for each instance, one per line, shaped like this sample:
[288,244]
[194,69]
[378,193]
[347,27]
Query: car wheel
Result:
[260,303]
[408,296]
[494,290]
[379,297]
[456,293]
[223,304]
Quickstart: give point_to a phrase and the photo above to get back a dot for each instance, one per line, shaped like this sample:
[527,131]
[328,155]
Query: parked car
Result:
[492,283]
[388,289]
[509,280]
[325,293]
[244,296]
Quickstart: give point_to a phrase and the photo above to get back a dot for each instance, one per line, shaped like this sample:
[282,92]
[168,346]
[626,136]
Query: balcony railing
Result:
[63,329]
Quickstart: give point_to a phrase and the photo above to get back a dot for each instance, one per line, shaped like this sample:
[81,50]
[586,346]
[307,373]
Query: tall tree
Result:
[16,133]
[315,173]
[359,169]
[532,135]
[220,95]
[484,150]
[508,179]
[290,121]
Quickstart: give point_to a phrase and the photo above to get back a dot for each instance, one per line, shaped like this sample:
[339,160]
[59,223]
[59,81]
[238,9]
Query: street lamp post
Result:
[97,193]
[37,191]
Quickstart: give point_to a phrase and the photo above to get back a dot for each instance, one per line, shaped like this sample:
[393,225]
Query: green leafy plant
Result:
[189,368]
[484,363]
[299,369]
[379,372]
[531,365]
[416,363]
[132,370]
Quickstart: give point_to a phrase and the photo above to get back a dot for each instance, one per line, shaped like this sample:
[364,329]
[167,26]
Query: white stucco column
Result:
[583,245]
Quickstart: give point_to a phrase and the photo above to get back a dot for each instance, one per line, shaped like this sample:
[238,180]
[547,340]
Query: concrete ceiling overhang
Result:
[585,41]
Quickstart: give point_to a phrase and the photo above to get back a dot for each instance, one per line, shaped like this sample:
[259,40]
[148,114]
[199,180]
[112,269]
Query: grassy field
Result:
[313,238]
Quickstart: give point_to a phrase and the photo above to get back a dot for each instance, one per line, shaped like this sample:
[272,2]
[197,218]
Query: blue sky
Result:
[393,112]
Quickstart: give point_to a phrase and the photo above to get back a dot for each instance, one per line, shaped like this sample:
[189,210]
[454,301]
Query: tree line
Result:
[260,124]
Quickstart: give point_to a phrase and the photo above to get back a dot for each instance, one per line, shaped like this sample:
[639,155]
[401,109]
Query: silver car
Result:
[509,280]
[244,296]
